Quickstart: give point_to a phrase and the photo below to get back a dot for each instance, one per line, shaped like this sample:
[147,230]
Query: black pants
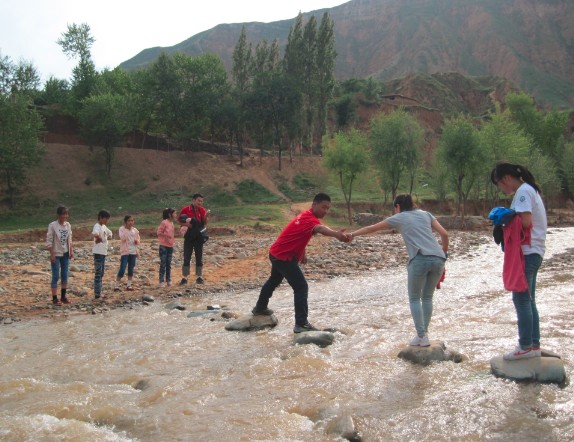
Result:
[192,242]
[290,271]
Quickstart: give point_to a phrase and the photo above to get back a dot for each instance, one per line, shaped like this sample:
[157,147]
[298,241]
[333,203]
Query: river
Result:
[156,375]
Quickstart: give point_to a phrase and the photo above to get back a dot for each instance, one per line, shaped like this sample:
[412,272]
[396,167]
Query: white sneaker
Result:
[420,342]
[425,341]
[518,353]
[162,285]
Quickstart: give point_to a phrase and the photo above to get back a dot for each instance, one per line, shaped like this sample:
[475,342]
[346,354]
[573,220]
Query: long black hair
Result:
[516,170]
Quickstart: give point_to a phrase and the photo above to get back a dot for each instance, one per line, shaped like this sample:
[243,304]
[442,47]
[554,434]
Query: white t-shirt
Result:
[526,199]
[104,233]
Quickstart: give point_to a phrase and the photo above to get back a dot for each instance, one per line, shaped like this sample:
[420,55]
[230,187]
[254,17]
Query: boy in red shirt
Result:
[288,251]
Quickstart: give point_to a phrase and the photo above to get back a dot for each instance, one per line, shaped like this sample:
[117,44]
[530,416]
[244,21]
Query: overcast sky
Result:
[29,29]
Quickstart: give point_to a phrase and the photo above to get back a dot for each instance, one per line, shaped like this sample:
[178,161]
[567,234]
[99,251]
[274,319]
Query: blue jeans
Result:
[290,271]
[60,265]
[165,255]
[525,305]
[424,272]
[128,261]
[99,269]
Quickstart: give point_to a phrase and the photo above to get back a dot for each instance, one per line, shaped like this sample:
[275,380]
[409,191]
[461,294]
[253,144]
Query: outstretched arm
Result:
[381,225]
[327,231]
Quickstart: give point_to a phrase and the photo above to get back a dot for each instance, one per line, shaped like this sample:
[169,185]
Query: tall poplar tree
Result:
[325,77]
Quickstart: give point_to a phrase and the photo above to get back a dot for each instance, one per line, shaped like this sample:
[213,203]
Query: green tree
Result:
[346,155]
[325,77]
[309,79]
[546,129]
[55,91]
[459,149]
[19,77]
[103,122]
[396,141]
[501,139]
[20,149]
[77,42]
[345,110]
[202,86]
[568,167]
[242,64]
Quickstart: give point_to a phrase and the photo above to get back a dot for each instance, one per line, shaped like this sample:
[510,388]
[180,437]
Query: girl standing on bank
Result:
[129,241]
[166,237]
[527,203]
[426,258]
[59,243]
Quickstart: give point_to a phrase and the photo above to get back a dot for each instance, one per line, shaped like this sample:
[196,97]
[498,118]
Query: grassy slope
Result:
[144,182]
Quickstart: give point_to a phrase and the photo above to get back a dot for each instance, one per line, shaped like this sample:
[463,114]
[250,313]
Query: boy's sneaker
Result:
[420,342]
[129,288]
[536,349]
[183,281]
[518,353]
[262,311]
[169,283]
[161,285]
[304,328]
[65,300]
[199,280]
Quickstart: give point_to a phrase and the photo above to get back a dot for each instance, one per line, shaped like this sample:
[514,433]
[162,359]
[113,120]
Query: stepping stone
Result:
[544,369]
[252,322]
[320,338]
[425,355]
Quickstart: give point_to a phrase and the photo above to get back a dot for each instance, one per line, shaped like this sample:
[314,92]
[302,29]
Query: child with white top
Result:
[129,241]
[101,235]
[59,243]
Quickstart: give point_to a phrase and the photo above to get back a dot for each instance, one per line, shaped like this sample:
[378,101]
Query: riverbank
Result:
[232,262]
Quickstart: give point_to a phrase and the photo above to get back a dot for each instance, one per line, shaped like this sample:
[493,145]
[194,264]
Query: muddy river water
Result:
[156,375]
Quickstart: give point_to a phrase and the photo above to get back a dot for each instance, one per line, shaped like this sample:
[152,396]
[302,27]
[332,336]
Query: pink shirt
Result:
[129,239]
[166,233]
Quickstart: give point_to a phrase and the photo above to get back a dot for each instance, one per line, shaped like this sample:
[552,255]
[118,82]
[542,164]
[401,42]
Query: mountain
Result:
[530,42]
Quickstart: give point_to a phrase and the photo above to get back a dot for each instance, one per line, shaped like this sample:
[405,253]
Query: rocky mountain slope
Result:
[530,42]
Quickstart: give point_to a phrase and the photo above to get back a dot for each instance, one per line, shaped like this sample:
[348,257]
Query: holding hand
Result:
[342,236]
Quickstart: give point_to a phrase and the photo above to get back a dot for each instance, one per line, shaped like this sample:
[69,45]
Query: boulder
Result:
[174,306]
[252,322]
[320,338]
[366,219]
[544,369]
[425,355]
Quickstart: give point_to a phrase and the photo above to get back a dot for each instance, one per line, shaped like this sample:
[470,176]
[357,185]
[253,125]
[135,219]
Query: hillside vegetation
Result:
[145,181]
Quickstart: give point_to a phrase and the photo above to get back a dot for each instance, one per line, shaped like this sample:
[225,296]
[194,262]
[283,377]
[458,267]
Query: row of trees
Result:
[270,101]
[276,102]
[467,151]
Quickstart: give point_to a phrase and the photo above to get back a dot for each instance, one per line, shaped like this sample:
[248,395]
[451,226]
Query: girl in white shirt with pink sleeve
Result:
[129,241]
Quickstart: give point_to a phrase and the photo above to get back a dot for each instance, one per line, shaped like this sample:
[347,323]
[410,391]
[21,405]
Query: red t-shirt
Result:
[200,213]
[292,241]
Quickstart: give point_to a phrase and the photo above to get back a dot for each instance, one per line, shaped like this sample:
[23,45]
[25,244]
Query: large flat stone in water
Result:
[320,338]
[252,322]
[425,355]
[544,369]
